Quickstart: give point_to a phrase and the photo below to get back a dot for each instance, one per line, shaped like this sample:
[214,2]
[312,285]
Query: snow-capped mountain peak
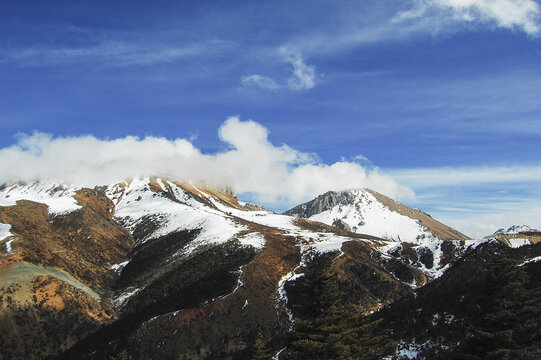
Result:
[367,212]
[515,229]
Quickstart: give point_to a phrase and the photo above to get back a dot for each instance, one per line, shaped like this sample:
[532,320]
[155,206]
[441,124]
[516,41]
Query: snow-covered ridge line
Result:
[58,197]
[136,203]
[515,229]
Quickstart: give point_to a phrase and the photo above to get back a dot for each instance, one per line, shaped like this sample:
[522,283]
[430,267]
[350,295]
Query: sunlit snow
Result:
[138,203]
[6,233]
[59,198]
[254,239]
[369,216]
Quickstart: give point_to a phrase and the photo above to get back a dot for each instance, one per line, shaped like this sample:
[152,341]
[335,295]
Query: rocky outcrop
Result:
[323,202]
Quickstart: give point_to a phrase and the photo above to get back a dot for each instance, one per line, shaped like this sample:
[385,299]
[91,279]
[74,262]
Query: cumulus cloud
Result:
[261,81]
[524,15]
[271,174]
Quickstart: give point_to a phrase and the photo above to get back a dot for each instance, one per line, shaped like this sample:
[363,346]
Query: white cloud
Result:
[304,76]
[107,53]
[261,81]
[524,15]
[272,174]
[363,23]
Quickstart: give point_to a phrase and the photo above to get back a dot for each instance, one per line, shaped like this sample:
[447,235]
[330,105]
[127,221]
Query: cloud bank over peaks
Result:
[274,175]
[524,15]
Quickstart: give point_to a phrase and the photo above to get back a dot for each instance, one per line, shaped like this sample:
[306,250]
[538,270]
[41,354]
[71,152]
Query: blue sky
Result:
[417,88]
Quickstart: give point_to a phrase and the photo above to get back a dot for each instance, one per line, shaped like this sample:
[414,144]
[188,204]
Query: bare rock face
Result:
[341,225]
[322,203]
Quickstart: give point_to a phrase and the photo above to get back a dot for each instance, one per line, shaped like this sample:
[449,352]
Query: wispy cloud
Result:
[261,81]
[302,76]
[477,200]
[424,178]
[401,21]
[107,53]
[524,15]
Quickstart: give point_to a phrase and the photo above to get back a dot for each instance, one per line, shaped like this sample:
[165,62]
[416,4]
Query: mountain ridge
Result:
[191,271]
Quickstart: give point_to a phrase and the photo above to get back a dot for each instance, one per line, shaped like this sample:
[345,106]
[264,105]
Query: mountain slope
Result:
[160,253]
[160,269]
[55,267]
[494,314]
[410,234]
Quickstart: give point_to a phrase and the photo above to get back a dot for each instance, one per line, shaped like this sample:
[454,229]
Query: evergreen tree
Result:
[123,355]
[260,350]
[327,327]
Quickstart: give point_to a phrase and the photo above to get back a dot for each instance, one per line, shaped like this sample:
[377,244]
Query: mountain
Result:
[368,212]
[515,229]
[485,307]
[410,234]
[516,235]
[157,268]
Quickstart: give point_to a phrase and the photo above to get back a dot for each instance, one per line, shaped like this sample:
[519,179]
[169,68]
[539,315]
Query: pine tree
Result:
[335,331]
[123,355]
[260,350]
[322,336]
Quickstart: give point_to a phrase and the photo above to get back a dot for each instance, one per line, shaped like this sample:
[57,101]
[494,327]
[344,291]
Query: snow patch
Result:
[5,232]
[282,294]
[119,266]
[255,240]
[518,242]
[535,259]
[121,300]
[408,351]
[325,242]
[277,355]
[8,246]
[59,198]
